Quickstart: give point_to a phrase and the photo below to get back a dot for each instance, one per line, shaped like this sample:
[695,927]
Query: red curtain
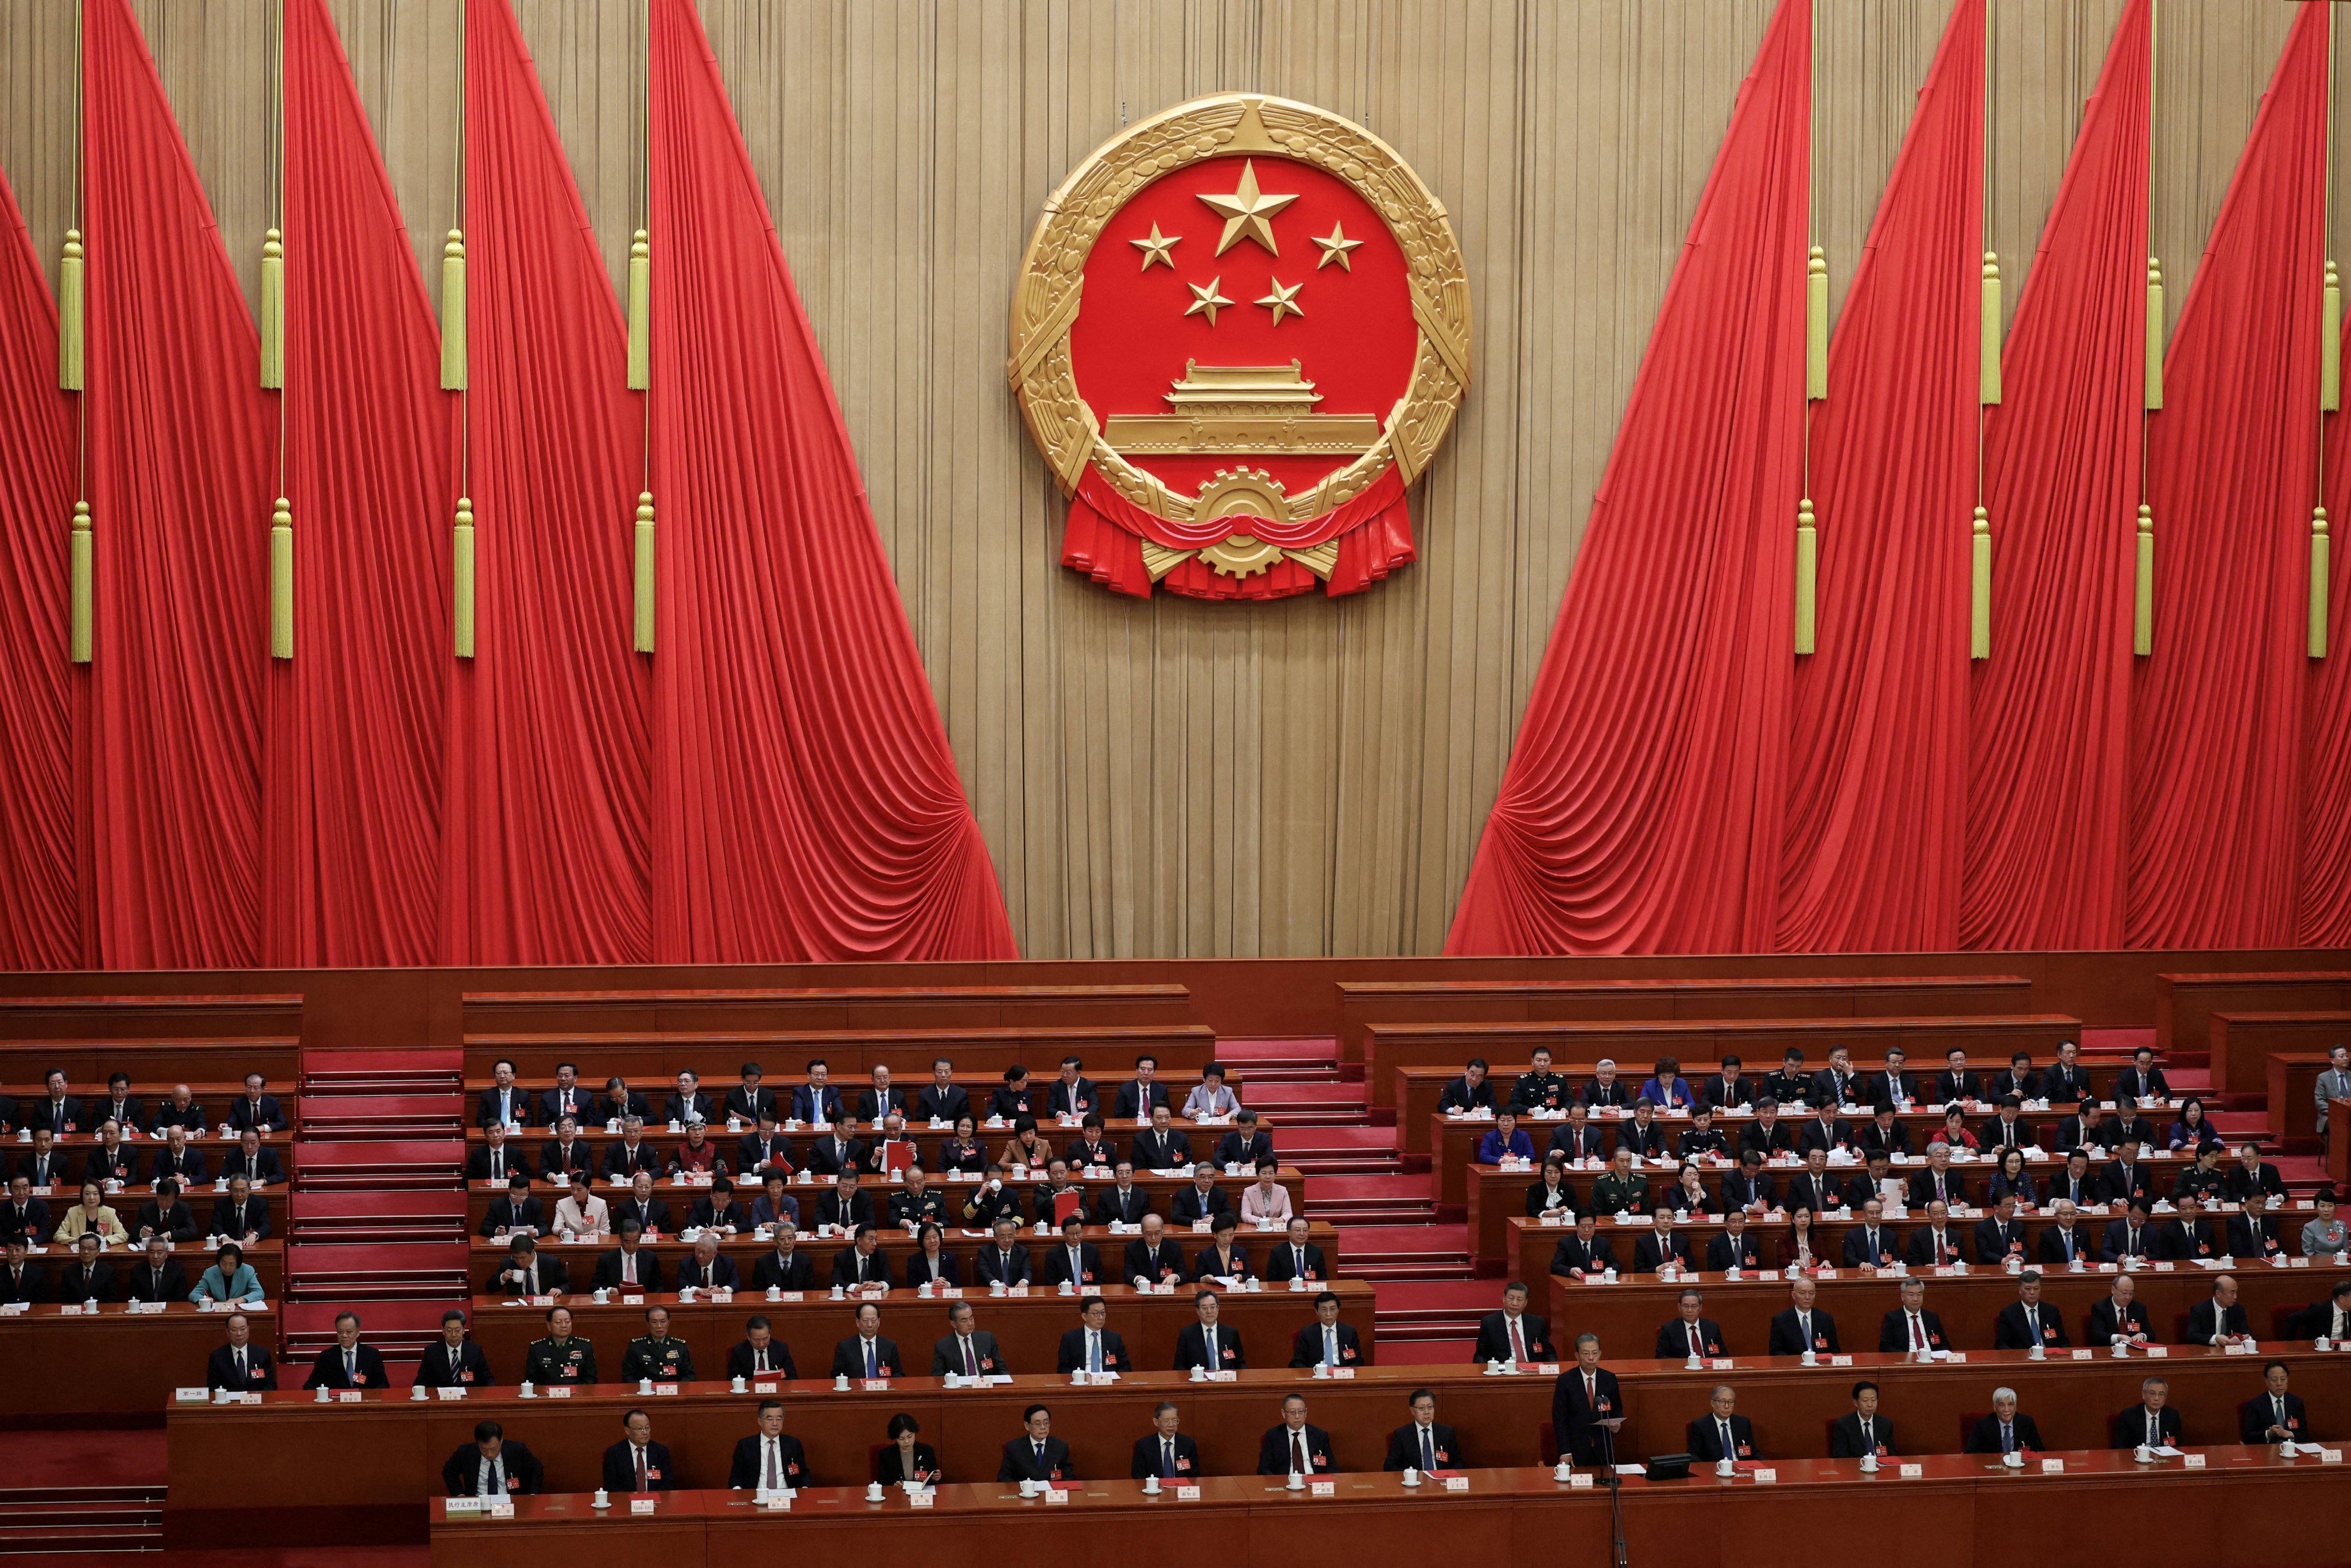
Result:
[39,916]
[2323,912]
[181,448]
[805,801]
[545,842]
[2050,711]
[2233,466]
[351,798]
[1641,811]
[1878,755]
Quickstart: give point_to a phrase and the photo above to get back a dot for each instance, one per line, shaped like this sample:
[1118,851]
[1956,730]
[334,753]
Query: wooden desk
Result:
[1635,1045]
[1118,1133]
[849,1054]
[1959,1512]
[653,1012]
[1363,1004]
[111,1363]
[2292,1103]
[1626,1315]
[200,1202]
[579,1259]
[1027,1328]
[117,1019]
[2185,1003]
[268,1257]
[217,1066]
[1494,1197]
[1163,1191]
[386,1452]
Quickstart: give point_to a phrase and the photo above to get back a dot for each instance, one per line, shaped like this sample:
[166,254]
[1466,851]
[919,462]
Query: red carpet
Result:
[81,1458]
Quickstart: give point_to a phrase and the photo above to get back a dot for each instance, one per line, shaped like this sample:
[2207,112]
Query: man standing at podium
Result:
[1583,1402]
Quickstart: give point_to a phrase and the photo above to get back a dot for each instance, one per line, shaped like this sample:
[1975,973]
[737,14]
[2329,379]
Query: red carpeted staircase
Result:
[378,1211]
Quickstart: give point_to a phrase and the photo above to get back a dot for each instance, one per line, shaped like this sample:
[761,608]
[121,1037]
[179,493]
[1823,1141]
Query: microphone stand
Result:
[1616,1491]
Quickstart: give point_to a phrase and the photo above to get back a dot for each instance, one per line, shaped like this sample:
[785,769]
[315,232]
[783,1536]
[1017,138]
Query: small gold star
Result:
[1157,247]
[1205,298]
[1282,299]
[1246,212]
[1335,248]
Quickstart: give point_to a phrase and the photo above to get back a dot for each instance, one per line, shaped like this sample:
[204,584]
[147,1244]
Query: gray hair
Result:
[1999,1394]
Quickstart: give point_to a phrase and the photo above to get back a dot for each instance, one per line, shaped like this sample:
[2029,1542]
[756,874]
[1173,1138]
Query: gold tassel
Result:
[453,313]
[281,581]
[2143,588]
[2319,570]
[1988,375]
[644,573]
[273,310]
[1980,589]
[463,577]
[69,315]
[1816,326]
[640,304]
[2330,344]
[83,569]
[2154,335]
[1808,568]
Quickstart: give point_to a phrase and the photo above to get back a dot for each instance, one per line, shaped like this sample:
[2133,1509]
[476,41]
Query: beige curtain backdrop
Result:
[1171,779]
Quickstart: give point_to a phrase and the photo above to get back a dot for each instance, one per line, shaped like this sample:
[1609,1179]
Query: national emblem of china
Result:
[1240,331]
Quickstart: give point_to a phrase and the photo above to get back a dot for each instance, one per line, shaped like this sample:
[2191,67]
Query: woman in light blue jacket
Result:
[230,1279]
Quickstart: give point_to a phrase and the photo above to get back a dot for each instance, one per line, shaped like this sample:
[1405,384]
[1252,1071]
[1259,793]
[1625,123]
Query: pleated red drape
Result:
[1641,811]
[805,802]
[1877,754]
[546,835]
[2232,466]
[40,926]
[180,443]
[352,770]
[2049,719]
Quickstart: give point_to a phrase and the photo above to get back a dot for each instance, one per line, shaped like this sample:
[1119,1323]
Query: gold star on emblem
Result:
[1205,298]
[1335,248]
[1282,299]
[1156,248]
[1248,213]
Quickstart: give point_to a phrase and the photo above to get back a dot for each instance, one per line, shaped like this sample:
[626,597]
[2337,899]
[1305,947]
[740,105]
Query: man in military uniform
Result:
[559,1357]
[1620,1191]
[919,1203]
[1792,1086]
[655,1355]
[1540,1089]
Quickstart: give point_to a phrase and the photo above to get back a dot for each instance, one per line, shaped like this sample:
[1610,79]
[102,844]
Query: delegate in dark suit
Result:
[620,1467]
[946,1354]
[328,1372]
[2011,1330]
[848,1357]
[260,1371]
[1151,1458]
[1788,1335]
[1023,1462]
[743,1361]
[1574,1253]
[516,1106]
[1405,1443]
[1705,1439]
[1726,1252]
[149,1283]
[1192,1349]
[1282,1265]
[2256,1418]
[2106,1327]
[1072,1355]
[1306,1345]
[1089,1263]
[511,1162]
[743,1470]
[1576,1410]
[2025,1434]
[1274,1457]
[1494,1338]
[85,1283]
[782,1273]
[2205,1320]
[462,1475]
[1128,1208]
[1846,1440]
[464,1367]
[23,1283]
[2133,1426]
[607,1271]
[1673,1339]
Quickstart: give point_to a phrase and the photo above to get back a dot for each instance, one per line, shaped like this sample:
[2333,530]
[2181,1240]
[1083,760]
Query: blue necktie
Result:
[1428,1449]
[351,1367]
[872,1365]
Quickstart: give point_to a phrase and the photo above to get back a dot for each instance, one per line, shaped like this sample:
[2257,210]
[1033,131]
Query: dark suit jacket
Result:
[2114,1245]
[771,1271]
[81,1283]
[2181,1244]
[1705,1438]
[1894,1331]
[620,1469]
[830,1155]
[722,1274]
[991,1265]
[1920,1248]
[2122,1186]
[1494,1338]
[607,1271]
[779,1355]
[472,1369]
[1985,1438]
[1134,1103]
[127,1113]
[141,1287]
[609,1110]
[1922,1188]
[1192,1349]
[529,1214]
[2103,1326]
[188,1169]
[1281,1267]
[2053,1246]
[743,1470]
[120,1163]
[1073,1353]
[860,1209]
[1273,1450]
[1844,1436]
[1993,1243]
[240,1114]
[1787,1338]
[1306,1345]
[36,1224]
[947,1355]
[1072,1099]
[1089,1265]
[478,1163]
[1571,1254]
[1232,1150]
[1146,1457]
[2205,1320]
[848,1269]
[553,1276]
[2255,1416]
[220,1369]
[951,1106]
[1580,1143]
[2240,1237]
[2009,1331]
[771,1149]
[948,1270]
[551,1105]
[326,1372]
[1573,1419]
[553,1161]
[1649,1252]
[2128,1429]
[33,1287]
[1673,1338]
[1151,1152]
[1126,1208]
[266,1170]
[1189,1206]
[870,1107]
[812,1104]
[1139,1262]
[462,1475]
[1021,1462]
[1404,1448]
[1724,1251]
[525,1106]
[1206,1264]
[848,1357]
[1857,1245]
[619,1160]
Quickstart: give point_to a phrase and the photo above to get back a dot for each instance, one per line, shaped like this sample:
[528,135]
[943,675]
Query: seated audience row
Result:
[61,1114]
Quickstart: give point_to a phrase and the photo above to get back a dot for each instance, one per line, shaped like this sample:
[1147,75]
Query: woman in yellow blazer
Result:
[91,1214]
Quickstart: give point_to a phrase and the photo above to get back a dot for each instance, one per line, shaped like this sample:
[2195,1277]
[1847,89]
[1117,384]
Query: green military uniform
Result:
[569,1361]
[931,1208]
[664,1359]
[1612,1194]
[1539,1092]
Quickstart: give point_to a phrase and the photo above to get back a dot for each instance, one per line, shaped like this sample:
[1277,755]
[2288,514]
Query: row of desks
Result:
[1027,1328]
[1120,1135]
[387,1448]
[1959,1512]
[268,1257]
[1627,1314]
[112,1364]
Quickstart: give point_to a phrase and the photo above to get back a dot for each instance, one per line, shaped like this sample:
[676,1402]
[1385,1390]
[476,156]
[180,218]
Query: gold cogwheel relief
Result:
[1046,297]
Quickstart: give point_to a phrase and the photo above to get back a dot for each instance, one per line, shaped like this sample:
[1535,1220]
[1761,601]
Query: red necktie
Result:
[640,1471]
[1298,1453]
[1518,1342]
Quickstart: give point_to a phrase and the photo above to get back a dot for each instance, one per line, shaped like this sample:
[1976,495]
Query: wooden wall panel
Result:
[1170,778]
